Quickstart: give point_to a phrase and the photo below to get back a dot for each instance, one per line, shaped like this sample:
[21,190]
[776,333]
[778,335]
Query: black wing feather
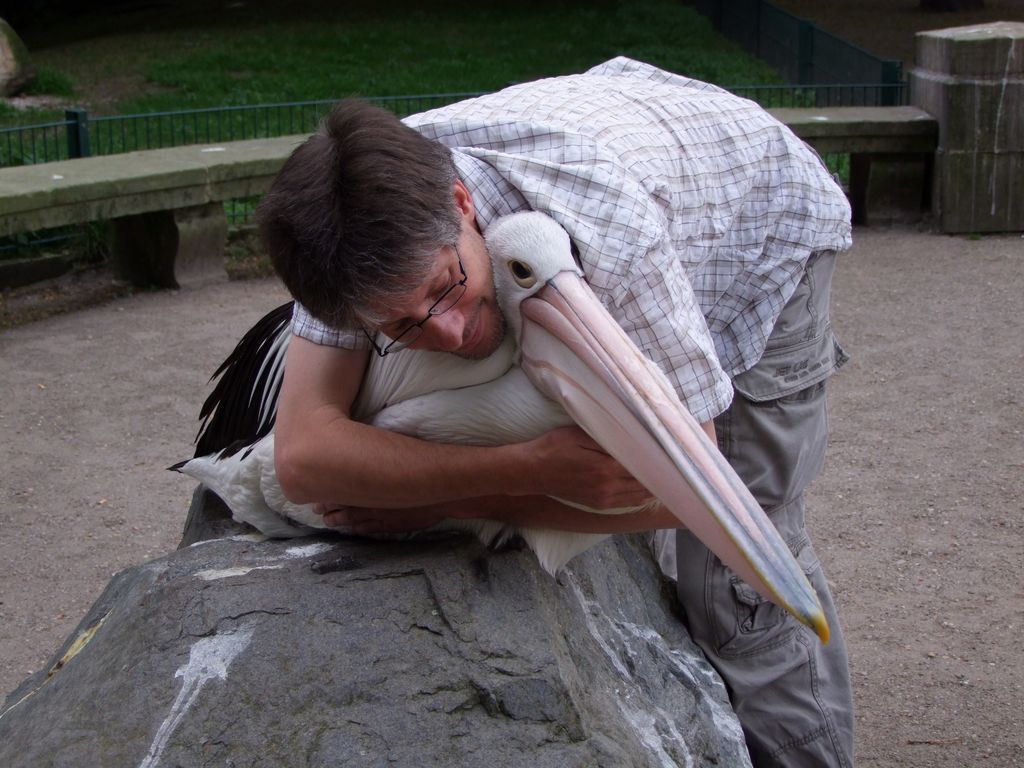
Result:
[243,405]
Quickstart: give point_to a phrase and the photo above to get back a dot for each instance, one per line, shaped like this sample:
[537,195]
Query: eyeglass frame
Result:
[418,327]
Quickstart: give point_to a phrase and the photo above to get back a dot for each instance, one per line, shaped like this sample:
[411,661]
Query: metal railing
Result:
[825,94]
[81,135]
[38,143]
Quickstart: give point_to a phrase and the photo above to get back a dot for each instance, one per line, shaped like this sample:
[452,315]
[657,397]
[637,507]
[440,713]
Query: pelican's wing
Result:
[243,405]
[509,409]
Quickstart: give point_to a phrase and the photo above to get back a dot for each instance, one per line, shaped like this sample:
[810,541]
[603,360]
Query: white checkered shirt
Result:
[693,209]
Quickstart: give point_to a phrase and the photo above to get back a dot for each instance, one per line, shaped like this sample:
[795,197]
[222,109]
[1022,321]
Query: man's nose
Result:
[443,332]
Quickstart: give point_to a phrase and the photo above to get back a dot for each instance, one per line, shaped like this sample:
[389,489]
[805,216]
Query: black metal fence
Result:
[802,52]
[824,94]
[82,135]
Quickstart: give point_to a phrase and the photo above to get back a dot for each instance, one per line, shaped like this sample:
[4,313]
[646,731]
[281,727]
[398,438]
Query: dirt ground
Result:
[917,517]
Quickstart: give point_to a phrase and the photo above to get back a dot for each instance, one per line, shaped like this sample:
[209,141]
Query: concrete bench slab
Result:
[863,130]
[165,205]
[72,191]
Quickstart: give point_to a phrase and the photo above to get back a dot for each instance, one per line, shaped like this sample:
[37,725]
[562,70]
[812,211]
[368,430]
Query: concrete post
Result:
[971,79]
[169,249]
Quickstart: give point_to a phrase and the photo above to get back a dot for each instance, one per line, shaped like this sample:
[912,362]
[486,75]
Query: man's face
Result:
[474,327]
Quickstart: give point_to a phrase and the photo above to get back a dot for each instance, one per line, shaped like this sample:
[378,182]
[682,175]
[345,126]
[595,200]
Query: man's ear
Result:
[464,201]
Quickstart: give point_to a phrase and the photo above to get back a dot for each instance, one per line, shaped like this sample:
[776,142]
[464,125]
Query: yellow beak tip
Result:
[820,626]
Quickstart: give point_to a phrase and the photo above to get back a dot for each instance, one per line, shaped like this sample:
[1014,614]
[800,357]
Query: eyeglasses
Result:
[447,300]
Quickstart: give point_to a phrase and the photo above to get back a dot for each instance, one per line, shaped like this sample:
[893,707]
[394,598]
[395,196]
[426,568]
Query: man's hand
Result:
[569,465]
[364,521]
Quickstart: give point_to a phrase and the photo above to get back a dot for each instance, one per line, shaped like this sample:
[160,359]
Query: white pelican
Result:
[583,369]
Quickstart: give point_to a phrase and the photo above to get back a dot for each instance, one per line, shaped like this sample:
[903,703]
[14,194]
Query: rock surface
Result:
[333,651]
[16,70]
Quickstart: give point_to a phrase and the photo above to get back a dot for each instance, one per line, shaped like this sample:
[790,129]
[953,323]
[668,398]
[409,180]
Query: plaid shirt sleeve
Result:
[308,327]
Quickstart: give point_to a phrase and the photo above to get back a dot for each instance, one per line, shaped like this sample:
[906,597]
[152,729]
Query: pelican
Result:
[565,361]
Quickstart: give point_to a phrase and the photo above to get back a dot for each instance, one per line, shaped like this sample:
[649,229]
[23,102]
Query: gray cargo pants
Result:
[791,693]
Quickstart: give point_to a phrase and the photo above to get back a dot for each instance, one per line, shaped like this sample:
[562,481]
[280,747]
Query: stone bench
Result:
[892,151]
[166,205]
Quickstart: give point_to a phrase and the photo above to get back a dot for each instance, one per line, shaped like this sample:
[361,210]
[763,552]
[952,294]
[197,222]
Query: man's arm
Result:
[542,512]
[521,511]
[322,455]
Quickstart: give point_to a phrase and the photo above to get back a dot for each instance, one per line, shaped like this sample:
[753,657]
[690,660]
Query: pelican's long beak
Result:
[623,401]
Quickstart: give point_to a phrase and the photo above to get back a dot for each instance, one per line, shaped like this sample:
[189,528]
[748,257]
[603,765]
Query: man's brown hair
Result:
[357,213]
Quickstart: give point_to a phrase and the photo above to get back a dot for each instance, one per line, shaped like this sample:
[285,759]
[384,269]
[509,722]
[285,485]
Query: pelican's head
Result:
[576,354]
[528,250]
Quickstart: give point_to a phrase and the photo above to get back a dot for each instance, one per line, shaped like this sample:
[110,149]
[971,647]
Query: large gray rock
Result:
[16,70]
[331,651]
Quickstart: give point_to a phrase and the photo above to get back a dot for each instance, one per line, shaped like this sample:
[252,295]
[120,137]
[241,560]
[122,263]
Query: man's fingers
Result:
[338,516]
[360,520]
[336,520]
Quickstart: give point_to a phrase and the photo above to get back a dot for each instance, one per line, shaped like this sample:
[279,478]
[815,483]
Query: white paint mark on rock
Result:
[253,537]
[999,118]
[308,550]
[223,573]
[257,537]
[214,149]
[208,659]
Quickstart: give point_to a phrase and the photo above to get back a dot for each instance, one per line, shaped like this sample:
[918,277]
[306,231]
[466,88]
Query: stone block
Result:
[168,249]
[972,80]
[334,652]
[979,191]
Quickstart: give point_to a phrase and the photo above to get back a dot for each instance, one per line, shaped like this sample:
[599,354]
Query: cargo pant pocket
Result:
[744,623]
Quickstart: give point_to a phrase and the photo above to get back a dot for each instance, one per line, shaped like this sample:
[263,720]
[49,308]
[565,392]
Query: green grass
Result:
[51,82]
[192,56]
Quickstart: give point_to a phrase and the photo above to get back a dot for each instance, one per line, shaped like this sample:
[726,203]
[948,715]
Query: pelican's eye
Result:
[522,273]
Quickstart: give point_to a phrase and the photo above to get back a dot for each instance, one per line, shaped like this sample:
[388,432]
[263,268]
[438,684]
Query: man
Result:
[710,233]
